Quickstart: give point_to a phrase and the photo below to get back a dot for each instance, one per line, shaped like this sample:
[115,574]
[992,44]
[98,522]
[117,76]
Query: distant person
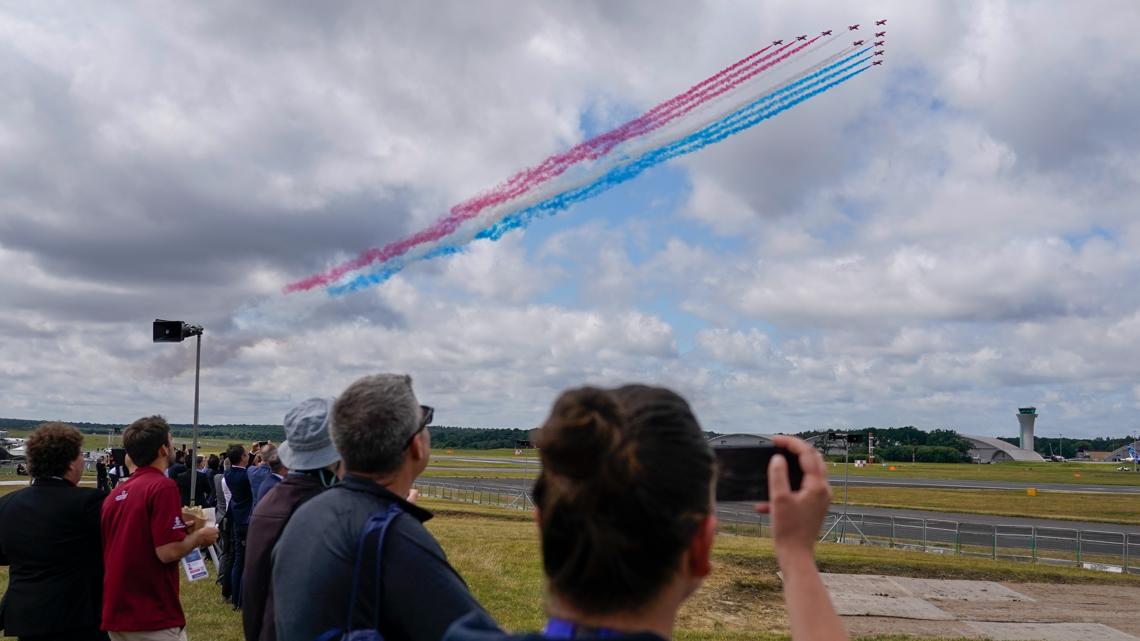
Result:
[102,481]
[312,460]
[49,536]
[258,468]
[178,466]
[277,471]
[239,507]
[225,569]
[627,532]
[144,537]
[213,469]
[201,486]
[379,428]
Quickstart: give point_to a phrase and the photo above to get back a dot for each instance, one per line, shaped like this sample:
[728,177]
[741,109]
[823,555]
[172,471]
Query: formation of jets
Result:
[857,43]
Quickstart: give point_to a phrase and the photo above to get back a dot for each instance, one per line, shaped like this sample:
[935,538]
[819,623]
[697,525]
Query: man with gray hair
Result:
[378,427]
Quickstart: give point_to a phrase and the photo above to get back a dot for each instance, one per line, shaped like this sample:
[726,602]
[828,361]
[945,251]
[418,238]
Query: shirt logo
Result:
[122,496]
[178,524]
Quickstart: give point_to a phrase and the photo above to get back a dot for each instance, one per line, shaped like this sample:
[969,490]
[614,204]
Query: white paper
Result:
[195,565]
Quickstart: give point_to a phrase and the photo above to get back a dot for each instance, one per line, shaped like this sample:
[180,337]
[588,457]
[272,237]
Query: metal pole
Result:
[194,447]
[846,475]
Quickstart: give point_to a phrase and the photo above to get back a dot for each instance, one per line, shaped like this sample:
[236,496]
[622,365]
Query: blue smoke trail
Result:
[744,118]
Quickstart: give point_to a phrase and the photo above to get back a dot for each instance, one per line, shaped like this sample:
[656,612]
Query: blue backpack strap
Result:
[377,524]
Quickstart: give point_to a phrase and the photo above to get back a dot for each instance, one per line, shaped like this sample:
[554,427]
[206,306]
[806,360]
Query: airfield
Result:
[927,551]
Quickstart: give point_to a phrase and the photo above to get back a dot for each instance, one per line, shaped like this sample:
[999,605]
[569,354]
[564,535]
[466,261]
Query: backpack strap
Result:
[376,525]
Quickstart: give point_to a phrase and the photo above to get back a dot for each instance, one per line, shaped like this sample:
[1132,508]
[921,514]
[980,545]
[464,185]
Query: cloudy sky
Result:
[935,244]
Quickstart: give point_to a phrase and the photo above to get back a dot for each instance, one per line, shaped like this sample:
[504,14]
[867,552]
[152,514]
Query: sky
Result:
[934,244]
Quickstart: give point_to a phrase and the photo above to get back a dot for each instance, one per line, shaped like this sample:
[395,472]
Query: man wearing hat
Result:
[312,460]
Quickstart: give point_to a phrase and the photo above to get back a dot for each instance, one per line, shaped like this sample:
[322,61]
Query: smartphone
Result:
[742,472]
[262,443]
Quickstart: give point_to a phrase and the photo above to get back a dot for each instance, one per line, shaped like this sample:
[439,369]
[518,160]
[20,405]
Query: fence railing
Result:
[1091,549]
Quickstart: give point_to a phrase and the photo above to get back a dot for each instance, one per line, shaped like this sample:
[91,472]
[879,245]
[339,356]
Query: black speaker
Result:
[118,456]
[168,331]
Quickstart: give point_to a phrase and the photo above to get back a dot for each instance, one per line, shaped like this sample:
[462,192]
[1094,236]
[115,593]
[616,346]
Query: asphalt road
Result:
[1018,535]
[512,465]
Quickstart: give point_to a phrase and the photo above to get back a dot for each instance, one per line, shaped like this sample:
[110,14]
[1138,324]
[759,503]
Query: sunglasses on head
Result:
[427,414]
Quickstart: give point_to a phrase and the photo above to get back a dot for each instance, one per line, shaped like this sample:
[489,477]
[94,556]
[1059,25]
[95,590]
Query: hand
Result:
[413,495]
[206,536]
[796,516]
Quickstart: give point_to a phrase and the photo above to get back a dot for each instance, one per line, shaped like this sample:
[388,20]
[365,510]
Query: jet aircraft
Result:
[801,37]
[853,27]
[880,34]
[877,62]
[879,43]
[880,22]
[877,53]
[858,42]
[826,33]
[777,42]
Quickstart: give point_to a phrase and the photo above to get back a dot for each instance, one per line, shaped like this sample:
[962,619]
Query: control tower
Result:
[1026,416]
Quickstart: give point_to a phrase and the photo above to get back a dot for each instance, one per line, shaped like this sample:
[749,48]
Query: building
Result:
[1121,453]
[1026,417]
[1096,457]
[740,440]
[986,449]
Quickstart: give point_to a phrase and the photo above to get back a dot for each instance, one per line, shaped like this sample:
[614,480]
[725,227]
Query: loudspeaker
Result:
[168,331]
[118,456]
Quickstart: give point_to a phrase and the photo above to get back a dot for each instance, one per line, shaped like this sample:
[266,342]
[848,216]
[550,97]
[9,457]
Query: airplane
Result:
[880,43]
[858,42]
[826,33]
[1132,457]
[777,42]
[877,62]
[880,34]
[878,53]
[853,27]
[880,22]
[801,37]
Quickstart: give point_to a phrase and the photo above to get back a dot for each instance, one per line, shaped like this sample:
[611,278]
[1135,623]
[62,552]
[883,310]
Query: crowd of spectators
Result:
[321,537]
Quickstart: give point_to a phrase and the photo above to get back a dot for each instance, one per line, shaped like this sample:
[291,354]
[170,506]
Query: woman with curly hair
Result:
[49,535]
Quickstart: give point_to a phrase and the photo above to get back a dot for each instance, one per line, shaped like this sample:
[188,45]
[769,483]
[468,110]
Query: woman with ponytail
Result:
[626,519]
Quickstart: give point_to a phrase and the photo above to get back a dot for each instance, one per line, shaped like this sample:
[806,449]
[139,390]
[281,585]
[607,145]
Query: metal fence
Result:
[1090,549]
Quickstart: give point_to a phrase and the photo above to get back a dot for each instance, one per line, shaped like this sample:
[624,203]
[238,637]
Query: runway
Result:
[856,481]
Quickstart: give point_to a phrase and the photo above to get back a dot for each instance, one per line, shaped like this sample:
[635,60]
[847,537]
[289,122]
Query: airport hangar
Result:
[983,449]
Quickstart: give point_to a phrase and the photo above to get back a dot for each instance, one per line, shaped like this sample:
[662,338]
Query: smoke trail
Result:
[720,83]
[821,81]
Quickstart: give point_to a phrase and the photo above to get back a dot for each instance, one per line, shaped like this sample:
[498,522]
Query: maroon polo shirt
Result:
[140,592]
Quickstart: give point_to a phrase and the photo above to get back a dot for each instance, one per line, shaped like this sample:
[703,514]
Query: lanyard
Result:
[565,630]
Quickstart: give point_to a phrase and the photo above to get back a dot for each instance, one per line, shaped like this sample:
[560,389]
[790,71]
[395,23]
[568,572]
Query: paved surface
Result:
[499,465]
[745,511]
[932,608]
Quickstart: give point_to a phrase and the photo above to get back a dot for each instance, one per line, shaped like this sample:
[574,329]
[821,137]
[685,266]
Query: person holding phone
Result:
[626,518]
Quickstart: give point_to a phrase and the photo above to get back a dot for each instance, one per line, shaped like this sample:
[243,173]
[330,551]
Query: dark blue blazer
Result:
[240,507]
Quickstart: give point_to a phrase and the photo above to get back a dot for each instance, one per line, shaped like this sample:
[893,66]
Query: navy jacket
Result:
[50,538]
[240,507]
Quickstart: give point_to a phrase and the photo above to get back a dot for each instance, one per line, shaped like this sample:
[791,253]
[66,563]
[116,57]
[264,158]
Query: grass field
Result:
[1068,506]
[741,600]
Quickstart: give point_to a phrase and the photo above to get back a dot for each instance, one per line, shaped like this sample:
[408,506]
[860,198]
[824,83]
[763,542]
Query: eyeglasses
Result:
[428,413]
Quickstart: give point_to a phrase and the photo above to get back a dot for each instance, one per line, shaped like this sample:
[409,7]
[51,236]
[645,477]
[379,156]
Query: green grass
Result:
[1068,506]
[741,600]
[1075,473]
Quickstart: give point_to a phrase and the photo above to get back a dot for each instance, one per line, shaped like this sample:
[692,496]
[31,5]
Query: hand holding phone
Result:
[742,472]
